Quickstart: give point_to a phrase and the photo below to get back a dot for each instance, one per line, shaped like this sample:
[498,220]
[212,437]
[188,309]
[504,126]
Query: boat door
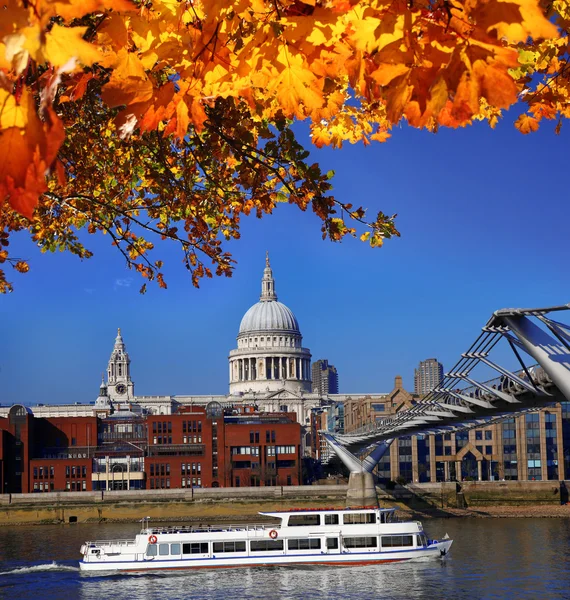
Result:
[332,544]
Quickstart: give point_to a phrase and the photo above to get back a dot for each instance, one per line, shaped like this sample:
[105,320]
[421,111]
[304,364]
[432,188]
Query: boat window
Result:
[304,544]
[397,541]
[175,549]
[151,550]
[196,548]
[266,545]
[359,518]
[304,520]
[228,547]
[164,549]
[332,543]
[360,542]
[331,520]
[422,539]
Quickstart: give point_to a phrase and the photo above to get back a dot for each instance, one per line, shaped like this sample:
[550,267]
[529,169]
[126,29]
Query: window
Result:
[151,550]
[488,435]
[164,549]
[175,549]
[397,541]
[331,520]
[359,518]
[304,544]
[304,520]
[332,543]
[266,545]
[196,548]
[478,435]
[361,542]
[228,547]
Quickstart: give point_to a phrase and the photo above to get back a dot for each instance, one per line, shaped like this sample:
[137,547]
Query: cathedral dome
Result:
[269,316]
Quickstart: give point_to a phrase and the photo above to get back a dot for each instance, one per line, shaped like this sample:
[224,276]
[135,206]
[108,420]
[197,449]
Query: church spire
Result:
[119,382]
[119,343]
[267,283]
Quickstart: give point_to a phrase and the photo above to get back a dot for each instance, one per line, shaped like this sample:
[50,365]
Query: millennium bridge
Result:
[541,346]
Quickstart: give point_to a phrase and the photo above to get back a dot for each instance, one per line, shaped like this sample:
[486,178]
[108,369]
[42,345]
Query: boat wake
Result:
[39,568]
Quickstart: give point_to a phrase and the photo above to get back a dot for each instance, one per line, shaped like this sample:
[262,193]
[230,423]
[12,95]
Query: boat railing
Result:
[103,543]
[209,528]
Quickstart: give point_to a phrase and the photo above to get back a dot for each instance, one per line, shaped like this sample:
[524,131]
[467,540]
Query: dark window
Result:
[228,547]
[331,520]
[332,543]
[361,542]
[359,518]
[304,520]
[397,541]
[304,544]
[266,545]
[197,548]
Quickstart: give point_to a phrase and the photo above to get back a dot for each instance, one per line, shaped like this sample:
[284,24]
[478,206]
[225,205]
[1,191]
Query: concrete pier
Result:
[361,490]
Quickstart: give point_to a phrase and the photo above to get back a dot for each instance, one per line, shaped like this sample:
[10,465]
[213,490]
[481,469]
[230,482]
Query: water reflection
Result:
[398,581]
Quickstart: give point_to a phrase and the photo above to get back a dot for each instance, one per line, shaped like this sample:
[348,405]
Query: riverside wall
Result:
[235,504]
[176,504]
[472,494]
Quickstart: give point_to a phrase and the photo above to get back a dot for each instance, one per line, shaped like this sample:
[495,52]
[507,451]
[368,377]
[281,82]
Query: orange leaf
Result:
[526,124]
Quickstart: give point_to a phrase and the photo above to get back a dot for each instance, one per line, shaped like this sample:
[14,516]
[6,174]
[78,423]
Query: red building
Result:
[206,446]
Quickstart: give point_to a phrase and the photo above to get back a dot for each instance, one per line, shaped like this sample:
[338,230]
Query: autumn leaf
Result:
[526,124]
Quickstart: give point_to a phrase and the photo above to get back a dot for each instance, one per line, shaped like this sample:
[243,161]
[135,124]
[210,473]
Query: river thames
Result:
[490,558]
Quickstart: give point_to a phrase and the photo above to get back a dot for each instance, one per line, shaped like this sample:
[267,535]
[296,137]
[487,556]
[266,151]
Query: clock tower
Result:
[120,387]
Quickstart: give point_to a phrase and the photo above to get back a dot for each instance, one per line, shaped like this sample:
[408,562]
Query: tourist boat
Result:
[351,536]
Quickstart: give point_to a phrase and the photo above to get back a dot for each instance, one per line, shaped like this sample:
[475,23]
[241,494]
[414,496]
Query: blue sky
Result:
[484,217]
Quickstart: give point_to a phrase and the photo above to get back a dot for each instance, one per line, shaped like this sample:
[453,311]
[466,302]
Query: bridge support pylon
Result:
[361,490]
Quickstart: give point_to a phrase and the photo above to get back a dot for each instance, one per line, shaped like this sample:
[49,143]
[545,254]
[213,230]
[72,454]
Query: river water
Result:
[490,558]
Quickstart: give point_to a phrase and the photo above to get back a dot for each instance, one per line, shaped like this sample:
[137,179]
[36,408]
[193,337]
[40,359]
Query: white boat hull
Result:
[436,550]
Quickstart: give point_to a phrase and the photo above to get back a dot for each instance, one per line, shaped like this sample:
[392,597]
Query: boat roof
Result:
[296,511]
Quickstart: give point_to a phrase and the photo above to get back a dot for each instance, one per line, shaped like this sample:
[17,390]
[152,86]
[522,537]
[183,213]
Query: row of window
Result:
[162,427]
[270,450]
[191,426]
[79,471]
[331,519]
[44,472]
[159,469]
[191,468]
[43,487]
[162,483]
[332,543]
[192,482]
[76,486]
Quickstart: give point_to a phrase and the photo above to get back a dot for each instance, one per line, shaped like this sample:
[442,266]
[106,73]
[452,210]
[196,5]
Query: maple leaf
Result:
[526,124]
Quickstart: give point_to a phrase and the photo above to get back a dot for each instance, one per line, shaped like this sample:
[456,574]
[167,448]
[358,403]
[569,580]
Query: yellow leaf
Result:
[63,43]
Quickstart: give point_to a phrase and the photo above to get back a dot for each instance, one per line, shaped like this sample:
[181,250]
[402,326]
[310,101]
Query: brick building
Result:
[202,446]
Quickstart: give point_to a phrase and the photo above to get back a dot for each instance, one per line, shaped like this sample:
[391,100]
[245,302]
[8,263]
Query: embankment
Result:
[466,499]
